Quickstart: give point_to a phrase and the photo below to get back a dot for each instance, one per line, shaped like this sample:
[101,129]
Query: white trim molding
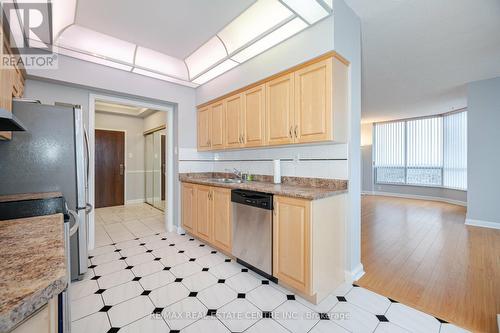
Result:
[481,223]
[356,274]
[415,196]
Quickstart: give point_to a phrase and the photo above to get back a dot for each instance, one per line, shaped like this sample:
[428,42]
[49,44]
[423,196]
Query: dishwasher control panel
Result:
[253,198]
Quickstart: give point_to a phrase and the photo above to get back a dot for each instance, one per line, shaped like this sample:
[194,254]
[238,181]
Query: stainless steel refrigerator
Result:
[51,156]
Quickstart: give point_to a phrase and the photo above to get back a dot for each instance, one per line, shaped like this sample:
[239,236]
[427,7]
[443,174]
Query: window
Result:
[429,151]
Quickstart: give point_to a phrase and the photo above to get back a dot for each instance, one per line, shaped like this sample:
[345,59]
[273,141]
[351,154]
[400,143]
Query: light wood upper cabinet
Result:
[254,116]
[280,110]
[313,102]
[305,104]
[291,242]
[204,129]
[222,218]
[234,121]
[203,212]
[188,204]
[217,125]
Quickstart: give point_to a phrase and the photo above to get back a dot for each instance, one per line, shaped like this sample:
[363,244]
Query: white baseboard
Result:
[356,274]
[414,196]
[135,201]
[481,223]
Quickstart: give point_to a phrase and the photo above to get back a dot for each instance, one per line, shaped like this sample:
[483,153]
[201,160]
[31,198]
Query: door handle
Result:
[122,169]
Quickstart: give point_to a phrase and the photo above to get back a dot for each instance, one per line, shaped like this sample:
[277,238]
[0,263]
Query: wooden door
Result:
[204,129]
[222,218]
[109,168]
[217,125]
[313,102]
[254,116]
[234,121]
[291,242]
[188,207]
[280,110]
[203,212]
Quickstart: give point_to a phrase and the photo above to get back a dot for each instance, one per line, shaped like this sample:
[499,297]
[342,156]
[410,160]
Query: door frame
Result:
[124,158]
[169,214]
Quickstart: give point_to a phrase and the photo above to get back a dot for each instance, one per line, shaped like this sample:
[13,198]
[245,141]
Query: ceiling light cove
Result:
[206,56]
[88,41]
[216,71]
[311,11]
[161,63]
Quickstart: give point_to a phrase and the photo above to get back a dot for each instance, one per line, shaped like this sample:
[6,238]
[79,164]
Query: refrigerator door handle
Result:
[88,208]
[74,217]
[86,137]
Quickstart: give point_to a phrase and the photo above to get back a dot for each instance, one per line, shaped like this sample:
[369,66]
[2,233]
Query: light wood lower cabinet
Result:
[204,211]
[44,320]
[308,245]
[207,214]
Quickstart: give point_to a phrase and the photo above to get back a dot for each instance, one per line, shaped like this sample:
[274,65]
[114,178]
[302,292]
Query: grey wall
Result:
[483,160]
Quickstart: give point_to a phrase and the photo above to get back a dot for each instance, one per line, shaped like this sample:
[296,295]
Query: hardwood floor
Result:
[421,253]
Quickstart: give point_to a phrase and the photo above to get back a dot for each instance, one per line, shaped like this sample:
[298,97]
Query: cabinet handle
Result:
[296,130]
[290,132]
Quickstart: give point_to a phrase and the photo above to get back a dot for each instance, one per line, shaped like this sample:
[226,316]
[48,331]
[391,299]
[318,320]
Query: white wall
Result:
[155,120]
[134,150]
[483,156]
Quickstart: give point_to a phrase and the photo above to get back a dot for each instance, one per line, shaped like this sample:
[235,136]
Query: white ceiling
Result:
[419,54]
[173,27]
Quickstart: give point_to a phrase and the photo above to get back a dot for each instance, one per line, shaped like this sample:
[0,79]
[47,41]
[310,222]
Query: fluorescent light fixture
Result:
[163,77]
[329,3]
[63,15]
[309,10]
[253,22]
[160,62]
[274,38]
[207,55]
[216,71]
[88,41]
[94,59]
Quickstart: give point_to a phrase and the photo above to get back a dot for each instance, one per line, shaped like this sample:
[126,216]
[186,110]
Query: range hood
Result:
[9,122]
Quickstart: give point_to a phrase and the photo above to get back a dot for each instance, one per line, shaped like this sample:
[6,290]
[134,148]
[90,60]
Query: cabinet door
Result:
[254,114]
[203,212]
[313,102]
[291,242]
[204,129]
[6,80]
[222,218]
[280,110]
[188,204]
[233,121]
[217,125]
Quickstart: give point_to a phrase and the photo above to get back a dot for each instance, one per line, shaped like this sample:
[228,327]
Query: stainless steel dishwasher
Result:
[253,230]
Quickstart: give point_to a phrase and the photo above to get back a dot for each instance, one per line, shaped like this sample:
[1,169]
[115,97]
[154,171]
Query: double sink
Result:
[227,180]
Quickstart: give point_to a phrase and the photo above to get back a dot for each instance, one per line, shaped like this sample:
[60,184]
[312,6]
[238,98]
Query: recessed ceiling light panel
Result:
[207,55]
[161,63]
[78,38]
[216,71]
[309,10]
[253,22]
[63,15]
[274,38]
[94,59]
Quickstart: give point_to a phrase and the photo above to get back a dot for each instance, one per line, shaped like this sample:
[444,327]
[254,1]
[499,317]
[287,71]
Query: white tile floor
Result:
[143,279]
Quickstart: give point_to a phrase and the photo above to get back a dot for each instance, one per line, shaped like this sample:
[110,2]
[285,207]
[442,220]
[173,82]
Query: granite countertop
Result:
[33,266]
[296,187]
[29,196]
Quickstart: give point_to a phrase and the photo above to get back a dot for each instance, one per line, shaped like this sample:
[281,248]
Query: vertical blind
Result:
[429,151]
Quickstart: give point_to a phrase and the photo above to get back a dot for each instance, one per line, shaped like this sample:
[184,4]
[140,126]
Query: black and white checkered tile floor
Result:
[165,282]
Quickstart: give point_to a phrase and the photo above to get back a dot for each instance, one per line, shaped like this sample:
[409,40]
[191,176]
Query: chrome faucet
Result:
[235,172]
